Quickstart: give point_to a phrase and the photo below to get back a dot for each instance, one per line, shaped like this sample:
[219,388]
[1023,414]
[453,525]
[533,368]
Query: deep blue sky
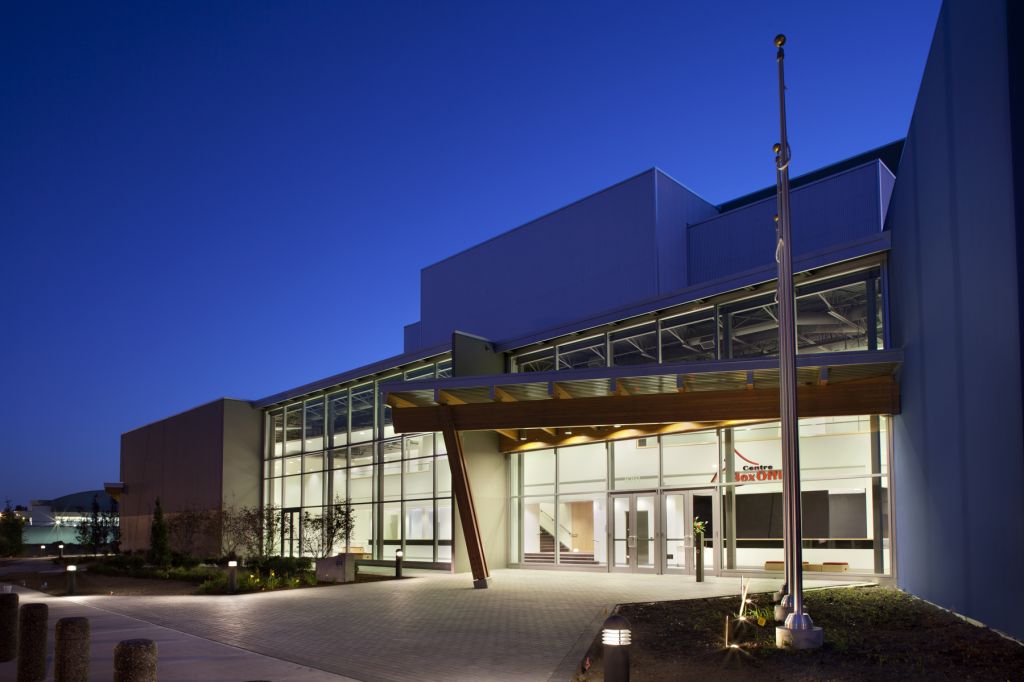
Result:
[230,199]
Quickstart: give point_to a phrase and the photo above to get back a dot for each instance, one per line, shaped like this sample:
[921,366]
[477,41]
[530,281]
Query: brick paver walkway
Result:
[530,625]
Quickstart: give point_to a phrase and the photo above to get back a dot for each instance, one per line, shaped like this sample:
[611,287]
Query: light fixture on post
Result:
[616,637]
[399,556]
[232,576]
[71,572]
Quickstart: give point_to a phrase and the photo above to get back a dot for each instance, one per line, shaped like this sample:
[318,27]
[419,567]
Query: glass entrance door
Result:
[290,532]
[634,533]
[681,509]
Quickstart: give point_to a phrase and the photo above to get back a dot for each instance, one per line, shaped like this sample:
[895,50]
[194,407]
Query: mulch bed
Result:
[54,581]
[871,633]
[87,583]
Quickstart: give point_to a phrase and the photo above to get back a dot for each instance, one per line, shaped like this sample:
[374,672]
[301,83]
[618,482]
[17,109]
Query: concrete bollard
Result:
[32,629]
[8,626]
[71,653]
[135,661]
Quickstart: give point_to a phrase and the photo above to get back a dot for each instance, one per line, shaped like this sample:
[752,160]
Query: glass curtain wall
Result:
[838,314]
[559,496]
[340,446]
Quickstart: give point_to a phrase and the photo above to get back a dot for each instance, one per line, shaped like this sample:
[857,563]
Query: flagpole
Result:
[799,631]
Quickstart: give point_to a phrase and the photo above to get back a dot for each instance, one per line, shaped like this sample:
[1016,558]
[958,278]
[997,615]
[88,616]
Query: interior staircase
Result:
[546,555]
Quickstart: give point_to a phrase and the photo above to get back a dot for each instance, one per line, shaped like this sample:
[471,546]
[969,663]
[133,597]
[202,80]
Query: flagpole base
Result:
[811,638]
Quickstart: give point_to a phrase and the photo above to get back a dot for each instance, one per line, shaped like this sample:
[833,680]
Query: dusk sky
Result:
[201,200]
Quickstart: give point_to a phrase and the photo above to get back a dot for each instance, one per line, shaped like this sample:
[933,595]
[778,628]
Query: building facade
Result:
[586,412]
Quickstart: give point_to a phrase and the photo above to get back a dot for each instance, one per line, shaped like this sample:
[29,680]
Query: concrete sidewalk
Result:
[529,625]
[181,656]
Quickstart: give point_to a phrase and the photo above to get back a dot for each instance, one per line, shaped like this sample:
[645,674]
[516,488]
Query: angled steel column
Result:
[797,619]
[464,499]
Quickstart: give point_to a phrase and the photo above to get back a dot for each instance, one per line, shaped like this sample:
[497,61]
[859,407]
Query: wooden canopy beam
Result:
[464,501]
[599,434]
[879,395]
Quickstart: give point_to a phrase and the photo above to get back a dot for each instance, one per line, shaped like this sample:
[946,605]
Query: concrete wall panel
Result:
[242,454]
[488,479]
[179,460]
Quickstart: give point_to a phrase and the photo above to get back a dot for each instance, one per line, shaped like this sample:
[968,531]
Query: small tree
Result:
[270,530]
[321,533]
[110,519]
[11,528]
[188,528]
[159,543]
[253,531]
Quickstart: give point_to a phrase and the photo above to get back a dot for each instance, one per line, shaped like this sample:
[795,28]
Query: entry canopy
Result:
[565,407]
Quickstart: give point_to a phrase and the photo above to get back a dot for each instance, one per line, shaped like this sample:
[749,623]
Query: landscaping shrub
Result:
[284,574]
[181,560]
[282,566]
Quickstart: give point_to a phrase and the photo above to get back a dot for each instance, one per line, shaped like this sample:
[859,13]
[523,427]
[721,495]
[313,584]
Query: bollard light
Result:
[72,586]
[616,636]
[399,554]
[60,551]
[232,576]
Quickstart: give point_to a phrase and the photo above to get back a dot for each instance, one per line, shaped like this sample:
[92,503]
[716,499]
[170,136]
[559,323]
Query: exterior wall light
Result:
[616,636]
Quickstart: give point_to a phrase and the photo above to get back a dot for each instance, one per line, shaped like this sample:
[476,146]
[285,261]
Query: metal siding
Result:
[958,502]
[556,268]
[676,207]
[836,210]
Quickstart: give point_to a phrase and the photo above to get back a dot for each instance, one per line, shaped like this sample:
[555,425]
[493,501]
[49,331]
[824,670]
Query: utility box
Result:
[337,569]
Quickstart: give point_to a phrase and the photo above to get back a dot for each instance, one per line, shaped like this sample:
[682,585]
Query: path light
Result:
[60,551]
[399,555]
[232,575]
[616,637]
[72,571]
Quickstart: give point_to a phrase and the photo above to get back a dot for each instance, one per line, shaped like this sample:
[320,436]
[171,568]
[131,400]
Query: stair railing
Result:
[563,535]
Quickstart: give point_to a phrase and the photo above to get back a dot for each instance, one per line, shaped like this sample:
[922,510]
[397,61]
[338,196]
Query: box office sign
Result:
[758,473]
